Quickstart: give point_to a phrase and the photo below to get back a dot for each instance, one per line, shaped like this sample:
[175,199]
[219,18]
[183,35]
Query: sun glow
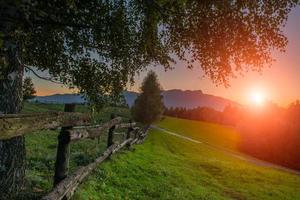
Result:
[258,97]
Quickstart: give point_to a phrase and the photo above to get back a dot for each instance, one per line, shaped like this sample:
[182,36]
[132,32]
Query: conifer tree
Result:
[148,107]
[28,89]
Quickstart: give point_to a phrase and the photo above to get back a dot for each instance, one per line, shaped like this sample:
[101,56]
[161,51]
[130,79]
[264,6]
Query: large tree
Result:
[148,106]
[80,43]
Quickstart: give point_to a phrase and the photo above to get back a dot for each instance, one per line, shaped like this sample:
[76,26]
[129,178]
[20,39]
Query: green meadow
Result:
[168,167]
[219,135]
[163,167]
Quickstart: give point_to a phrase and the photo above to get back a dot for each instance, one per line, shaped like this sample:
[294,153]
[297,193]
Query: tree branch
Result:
[36,74]
[41,77]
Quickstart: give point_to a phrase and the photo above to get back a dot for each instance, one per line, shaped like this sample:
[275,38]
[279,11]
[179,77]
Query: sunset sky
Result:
[280,83]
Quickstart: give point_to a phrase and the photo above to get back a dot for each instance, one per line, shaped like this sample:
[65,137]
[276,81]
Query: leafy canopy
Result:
[99,45]
[149,106]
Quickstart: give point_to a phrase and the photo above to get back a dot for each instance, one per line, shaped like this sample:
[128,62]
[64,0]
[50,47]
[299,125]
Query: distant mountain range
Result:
[195,98]
[172,98]
[60,98]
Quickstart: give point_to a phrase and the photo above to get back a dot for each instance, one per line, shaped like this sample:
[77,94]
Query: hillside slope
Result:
[167,167]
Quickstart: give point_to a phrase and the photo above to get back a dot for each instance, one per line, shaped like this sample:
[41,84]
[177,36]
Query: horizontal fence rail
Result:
[92,131]
[12,125]
[74,126]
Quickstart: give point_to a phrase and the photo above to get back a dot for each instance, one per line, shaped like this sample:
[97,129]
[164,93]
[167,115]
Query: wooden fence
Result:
[74,126]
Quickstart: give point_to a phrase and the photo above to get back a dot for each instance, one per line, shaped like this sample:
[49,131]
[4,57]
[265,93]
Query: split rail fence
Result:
[74,126]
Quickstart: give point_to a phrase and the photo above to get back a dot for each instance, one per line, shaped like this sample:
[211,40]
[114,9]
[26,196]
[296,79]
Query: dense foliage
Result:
[148,106]
[229,116]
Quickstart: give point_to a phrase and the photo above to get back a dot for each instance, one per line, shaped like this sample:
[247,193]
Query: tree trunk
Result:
[12,151]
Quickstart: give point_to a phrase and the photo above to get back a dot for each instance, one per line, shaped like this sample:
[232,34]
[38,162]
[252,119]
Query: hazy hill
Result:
[192,99]
[175,98]
[60,98]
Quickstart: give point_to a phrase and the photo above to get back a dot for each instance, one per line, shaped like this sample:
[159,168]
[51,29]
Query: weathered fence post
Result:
[136,133]
[63,150]
[130,128]
[143,135]
[110,139]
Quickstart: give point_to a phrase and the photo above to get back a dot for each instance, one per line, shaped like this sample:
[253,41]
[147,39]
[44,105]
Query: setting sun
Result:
[258,97]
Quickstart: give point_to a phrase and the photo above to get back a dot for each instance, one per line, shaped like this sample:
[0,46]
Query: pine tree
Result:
[148,107]
[28,89]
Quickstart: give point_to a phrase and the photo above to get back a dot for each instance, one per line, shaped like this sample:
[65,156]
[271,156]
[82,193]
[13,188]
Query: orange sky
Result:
[280,83]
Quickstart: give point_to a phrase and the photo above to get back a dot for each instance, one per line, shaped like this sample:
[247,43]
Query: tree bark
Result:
[12,151]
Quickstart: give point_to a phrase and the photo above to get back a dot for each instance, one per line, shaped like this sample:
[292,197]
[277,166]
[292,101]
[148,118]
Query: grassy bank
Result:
[167,167]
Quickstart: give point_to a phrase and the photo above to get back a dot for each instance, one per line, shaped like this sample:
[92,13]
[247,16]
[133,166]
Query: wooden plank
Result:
[117,133]
[13,125]
[78,133]
[134,141]
[125,125]
[142,136]
[66,188]
[136,131]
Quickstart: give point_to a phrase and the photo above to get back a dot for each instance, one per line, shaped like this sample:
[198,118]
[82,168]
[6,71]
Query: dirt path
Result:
[238,155]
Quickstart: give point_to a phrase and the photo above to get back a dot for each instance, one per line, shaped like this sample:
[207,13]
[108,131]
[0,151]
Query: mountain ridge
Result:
[172,98]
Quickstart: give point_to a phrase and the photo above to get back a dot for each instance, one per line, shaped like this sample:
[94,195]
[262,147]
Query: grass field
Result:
[167,167]
[219,135]
[164,167]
